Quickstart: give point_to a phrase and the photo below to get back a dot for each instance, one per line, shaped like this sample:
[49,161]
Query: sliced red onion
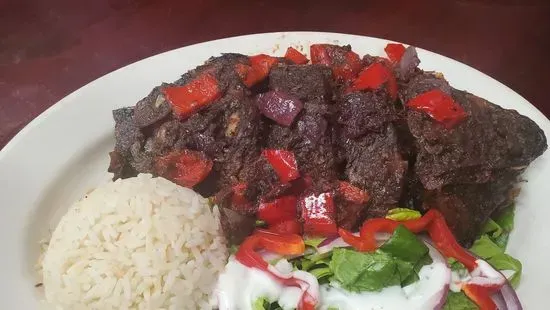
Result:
[506,298]
[279,106]
[509,297]
[439,299]
[408,63]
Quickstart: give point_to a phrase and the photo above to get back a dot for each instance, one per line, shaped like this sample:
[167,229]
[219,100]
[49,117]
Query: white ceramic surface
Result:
[63,153]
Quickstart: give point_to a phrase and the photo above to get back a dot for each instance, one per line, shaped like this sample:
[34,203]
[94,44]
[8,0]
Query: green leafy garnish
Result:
[263,303]
[313,242]
[403,244]
[492,244]
[459,301]
[357,272]
[485,247]
[403,214]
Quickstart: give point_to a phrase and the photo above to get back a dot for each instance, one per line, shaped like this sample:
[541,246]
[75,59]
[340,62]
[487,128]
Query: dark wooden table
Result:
[50,48]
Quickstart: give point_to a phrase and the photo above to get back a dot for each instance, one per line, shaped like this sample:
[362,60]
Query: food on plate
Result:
[385,266]
[291,147]
[138,243]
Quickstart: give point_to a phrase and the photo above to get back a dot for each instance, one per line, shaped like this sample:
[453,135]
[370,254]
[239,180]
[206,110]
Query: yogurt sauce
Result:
[423,294]
[239,286]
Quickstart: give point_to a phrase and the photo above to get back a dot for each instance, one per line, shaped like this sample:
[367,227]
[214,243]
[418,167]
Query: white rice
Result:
[138,243]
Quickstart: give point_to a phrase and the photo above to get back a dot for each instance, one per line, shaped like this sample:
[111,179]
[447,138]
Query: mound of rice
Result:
[138,243]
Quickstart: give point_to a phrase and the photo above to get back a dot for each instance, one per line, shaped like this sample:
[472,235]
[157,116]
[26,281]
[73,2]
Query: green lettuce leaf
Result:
[403,214]
[485,247]
[459,301]
[261,304]
[313,242]
[358,272]
[403,244]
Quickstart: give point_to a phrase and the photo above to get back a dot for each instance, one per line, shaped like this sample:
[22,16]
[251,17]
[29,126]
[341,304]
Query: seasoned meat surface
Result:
[374,163]
[399,156]
[468,206]
[306,82]
[310,136]
[489,140]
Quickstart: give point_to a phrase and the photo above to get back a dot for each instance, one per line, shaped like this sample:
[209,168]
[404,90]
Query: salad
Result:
[402,261]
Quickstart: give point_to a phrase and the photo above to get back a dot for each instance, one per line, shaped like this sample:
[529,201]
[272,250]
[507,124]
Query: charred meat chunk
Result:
[152,108]
[489,140]
[374,163]
[307,82]
[466,207]
[363,112]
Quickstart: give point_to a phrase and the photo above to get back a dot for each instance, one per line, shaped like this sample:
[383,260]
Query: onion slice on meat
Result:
[279,106]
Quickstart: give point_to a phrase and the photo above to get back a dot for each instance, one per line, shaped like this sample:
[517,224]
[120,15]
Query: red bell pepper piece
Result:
[281,244]
[290,244]
[439,106]
[278,210]
[318,213]
[357,242]
[394,51]
[345,64]
[259,68]
[284,164]
[352,193]
[319,54]
[287,227]
[295,56]
[481,295]
[445,242]
[186,167]
[193,96]
[239,202]
[373,77]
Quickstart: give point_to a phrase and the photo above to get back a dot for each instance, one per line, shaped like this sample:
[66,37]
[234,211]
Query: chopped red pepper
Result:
[287,227]
[319,54]
[357,242]
[290,244]
[239,202]
[318,213]
[439,106]
[352,193]
[193,96]
[480,295]
[186,167]
[259,68]
[295,56]
[395,51]
[278,210]
[284,164]
[281,244]
[345,64]
[373,77]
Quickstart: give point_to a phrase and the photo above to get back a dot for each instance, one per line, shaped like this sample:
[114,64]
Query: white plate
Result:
[62,154]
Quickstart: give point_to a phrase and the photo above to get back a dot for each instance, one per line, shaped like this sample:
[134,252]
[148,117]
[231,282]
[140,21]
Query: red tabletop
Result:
[51,48]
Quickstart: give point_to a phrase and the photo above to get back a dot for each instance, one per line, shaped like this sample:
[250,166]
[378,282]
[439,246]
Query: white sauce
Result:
[422,294]
[239,286]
